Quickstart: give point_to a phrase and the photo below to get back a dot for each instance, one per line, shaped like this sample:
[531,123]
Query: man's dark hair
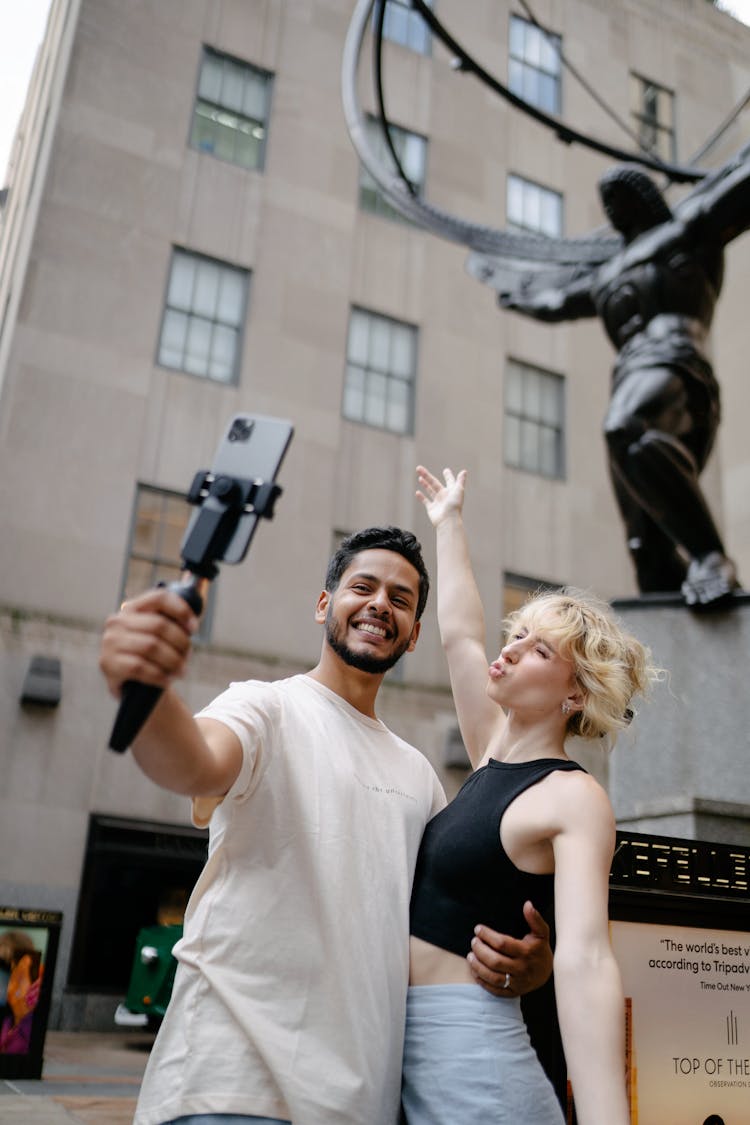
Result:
[383,539]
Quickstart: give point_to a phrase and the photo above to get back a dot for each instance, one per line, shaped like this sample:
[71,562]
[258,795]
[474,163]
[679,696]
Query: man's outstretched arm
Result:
[149,641]
[508,966]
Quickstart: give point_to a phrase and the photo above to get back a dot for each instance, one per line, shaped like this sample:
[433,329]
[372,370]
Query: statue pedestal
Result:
[684,768]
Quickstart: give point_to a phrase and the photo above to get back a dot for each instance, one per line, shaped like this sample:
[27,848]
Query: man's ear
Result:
[324,599]
[414,636]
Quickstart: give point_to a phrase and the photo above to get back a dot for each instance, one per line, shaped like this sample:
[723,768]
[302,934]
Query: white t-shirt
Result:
[289,997]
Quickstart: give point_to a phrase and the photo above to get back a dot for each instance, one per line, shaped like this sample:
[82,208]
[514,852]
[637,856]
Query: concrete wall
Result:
[681,770]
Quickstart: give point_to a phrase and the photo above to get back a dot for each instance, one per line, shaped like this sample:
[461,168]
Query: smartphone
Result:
[252,449]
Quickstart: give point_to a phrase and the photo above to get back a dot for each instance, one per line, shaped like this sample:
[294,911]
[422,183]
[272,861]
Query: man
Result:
[656,299]
[289,997]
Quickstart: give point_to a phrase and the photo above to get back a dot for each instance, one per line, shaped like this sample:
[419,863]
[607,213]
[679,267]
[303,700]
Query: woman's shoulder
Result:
[580,795]
[579,782]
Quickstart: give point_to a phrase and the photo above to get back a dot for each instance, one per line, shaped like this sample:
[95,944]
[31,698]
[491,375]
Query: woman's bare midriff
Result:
[428,964]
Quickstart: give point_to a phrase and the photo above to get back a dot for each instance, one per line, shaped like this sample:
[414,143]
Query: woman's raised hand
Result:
[441,500]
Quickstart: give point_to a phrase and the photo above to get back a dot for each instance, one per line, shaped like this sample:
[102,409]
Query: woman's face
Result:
[530,676]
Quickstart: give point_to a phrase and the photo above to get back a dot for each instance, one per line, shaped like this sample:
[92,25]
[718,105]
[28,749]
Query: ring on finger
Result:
[507,981]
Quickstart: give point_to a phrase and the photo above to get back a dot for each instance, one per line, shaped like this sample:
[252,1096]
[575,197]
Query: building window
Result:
[381,360]
[411,150]
[534,65]
[231,110]
[160,518]
[402,24]
[531,207]
[201,332]
[518,588]
[534,420]
[652,109]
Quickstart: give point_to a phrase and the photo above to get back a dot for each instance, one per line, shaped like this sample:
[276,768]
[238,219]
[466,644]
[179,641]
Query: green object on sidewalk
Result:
[152,974]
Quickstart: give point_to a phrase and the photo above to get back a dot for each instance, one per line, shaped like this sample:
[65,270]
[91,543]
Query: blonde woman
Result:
[528,821]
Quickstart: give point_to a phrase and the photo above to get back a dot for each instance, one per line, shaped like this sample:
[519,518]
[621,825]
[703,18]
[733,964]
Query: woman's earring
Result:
[565,707]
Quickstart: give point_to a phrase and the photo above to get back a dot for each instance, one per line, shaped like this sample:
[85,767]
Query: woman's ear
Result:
[575,700]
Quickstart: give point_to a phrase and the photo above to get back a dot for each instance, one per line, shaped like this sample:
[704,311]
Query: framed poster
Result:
[687,995]
[680,928]
[28,950]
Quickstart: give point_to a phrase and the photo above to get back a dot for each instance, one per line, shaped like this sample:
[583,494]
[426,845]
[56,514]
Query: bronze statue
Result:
[654,284]
[656,296]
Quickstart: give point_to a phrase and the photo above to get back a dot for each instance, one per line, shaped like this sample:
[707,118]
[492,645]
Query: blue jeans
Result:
[467,1057]
[225,1119]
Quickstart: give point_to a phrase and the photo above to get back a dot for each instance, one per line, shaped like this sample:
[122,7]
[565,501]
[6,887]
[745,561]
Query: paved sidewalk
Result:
[88,1078]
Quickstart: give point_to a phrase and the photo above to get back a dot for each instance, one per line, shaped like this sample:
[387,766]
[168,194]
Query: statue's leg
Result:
[659,568]
[649,413]
[658,462]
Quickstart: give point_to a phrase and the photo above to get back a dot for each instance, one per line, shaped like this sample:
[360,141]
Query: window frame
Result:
[533,185]
[525,585]
[525,417]
[159,563]
[522,61]
[380,207]
[401,9]
[266,75]
[369,370]
[639,88]
[192,313]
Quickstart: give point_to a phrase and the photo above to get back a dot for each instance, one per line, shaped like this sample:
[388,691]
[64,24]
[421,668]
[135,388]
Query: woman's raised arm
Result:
[459,611]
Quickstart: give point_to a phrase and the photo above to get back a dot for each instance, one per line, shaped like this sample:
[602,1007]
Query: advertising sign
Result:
[688,994]
[28,949]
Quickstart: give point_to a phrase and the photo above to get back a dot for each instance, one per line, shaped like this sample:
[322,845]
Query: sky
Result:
[23,23]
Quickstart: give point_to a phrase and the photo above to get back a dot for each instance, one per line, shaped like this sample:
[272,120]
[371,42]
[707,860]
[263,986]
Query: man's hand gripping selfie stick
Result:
[229,507]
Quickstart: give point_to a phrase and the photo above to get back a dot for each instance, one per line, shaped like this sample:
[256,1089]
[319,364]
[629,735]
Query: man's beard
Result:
[376,665]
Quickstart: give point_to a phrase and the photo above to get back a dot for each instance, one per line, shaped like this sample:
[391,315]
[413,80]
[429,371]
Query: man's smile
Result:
[371,628]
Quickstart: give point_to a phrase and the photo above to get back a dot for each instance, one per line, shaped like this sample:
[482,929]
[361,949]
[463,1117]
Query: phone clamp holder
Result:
[222,500]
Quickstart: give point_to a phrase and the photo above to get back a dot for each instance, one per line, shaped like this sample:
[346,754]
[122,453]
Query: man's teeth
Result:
[365,627]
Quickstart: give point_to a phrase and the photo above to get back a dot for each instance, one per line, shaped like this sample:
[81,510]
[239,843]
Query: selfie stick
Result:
[223,501]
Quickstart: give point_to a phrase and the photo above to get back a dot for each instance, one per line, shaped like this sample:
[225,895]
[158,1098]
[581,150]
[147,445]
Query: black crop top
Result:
[463,874]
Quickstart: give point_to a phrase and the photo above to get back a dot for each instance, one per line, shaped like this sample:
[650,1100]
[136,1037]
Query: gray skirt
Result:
[468,1059]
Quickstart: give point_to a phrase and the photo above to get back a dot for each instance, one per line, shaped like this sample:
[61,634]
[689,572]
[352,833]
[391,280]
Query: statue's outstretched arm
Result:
[722,206]
[550,302]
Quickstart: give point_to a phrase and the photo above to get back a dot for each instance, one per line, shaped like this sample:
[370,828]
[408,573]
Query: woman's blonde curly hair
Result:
[611,666]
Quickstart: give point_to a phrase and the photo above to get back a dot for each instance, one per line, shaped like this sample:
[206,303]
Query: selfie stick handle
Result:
[138,700]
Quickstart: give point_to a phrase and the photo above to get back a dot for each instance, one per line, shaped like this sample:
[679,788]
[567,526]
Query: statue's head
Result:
[632,201]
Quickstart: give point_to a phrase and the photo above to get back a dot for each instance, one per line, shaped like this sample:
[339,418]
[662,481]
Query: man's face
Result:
[370,617]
